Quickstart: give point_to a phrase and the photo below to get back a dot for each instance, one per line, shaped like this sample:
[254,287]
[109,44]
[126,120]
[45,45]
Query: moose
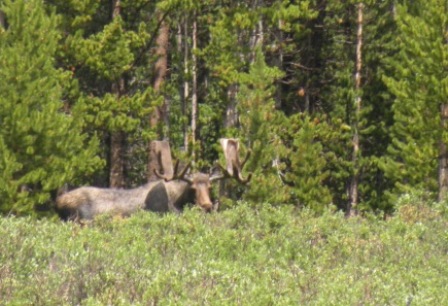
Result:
[170,192]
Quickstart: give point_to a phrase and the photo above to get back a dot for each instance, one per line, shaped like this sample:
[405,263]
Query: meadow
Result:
[245,255]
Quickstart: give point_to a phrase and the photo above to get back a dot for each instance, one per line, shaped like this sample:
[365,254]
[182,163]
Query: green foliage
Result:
[379,44]
[224,65]
[107,53]
[41,146]
[112,113]
[285,68]
[337,95]
[8,167]
[420,85]
[260,127]
[294,160]
[308,169]
[109,60]
[244,256]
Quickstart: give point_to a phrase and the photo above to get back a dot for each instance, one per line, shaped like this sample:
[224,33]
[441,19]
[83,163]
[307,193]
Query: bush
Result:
[241,256]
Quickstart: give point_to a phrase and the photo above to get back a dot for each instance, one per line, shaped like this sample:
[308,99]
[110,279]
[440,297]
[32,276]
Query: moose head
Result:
[183,188]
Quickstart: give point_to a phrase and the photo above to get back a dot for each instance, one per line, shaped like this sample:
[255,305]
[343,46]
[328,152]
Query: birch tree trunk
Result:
[353,192]
[116,174]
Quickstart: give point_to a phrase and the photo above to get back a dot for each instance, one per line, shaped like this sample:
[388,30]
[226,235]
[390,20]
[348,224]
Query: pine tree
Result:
[308,159]
[380,43]
[356,100]
[40,145]
[337,92]
[106,44]
[260,130]
[420,84]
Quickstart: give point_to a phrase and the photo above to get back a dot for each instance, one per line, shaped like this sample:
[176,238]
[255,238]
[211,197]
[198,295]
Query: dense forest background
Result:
[341,102]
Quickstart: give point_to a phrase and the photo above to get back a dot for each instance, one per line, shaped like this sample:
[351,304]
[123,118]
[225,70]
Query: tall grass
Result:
[241,256]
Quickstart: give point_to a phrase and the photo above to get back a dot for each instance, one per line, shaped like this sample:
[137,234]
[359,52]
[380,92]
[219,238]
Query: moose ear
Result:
[216,173]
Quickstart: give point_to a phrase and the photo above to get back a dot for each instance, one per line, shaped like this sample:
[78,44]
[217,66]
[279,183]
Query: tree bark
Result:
[2,20]
[159,116]
[443,156]
[116,174]
[160,70]
[353,191]
[443,151]
[231,116]
[279,64]
[186,85]
[194,94]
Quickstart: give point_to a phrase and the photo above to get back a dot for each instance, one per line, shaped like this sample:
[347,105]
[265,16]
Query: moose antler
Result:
[176,176]
[233,165]
[160,159]
[165,164]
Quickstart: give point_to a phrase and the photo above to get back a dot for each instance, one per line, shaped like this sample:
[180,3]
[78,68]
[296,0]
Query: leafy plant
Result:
[264,255]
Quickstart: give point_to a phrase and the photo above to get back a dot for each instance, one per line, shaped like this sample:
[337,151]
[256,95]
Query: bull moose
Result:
[171,192]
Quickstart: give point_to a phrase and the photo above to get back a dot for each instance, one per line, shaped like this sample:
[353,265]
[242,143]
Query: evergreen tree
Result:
[40,145]
[286,77]
[356,100]
[420,84]
[337,91]
[380,44]
[291,157]
[260,130]
[106,45]
[307,171]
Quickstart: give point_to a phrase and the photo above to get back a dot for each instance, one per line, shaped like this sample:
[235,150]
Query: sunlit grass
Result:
[241,256]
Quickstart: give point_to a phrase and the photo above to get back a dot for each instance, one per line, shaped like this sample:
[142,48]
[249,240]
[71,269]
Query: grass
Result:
[241,256]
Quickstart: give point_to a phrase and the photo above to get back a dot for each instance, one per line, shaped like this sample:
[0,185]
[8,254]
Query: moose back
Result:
[160,196]
[170,193]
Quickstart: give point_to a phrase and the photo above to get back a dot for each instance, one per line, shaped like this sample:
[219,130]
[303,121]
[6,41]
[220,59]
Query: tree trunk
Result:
[116,174]
[353,192]
[231,116]
[2,20]
[443,155]
[116,8]
[279,63]
[194,94]
[443,152]
[160,70]
[186,86]
[159,116]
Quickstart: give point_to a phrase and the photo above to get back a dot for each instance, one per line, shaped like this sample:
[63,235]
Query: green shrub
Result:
[241,256]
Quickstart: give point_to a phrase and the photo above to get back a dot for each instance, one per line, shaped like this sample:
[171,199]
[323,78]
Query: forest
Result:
[342,103]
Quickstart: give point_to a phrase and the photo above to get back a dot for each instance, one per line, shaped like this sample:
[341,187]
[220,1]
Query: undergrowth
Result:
[241,256]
